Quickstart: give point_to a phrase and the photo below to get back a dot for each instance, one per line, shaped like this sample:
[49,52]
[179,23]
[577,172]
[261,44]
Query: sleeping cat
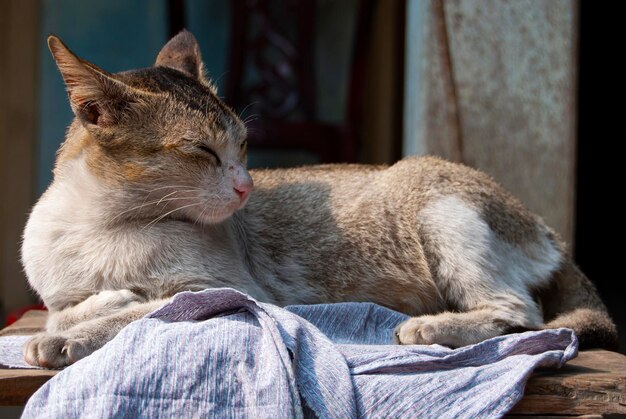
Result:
[151,196]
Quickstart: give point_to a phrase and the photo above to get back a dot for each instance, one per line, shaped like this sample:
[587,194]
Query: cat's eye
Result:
[208,150]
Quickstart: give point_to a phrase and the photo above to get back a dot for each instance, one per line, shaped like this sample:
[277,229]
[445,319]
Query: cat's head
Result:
[158,135]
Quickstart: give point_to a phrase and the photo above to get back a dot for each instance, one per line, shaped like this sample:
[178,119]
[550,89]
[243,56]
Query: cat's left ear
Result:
[96,96]
[182,53]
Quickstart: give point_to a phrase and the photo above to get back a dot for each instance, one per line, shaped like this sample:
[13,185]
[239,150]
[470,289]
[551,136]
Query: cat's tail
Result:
[573,302]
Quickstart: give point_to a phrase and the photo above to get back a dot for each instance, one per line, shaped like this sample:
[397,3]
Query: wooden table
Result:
[592,384]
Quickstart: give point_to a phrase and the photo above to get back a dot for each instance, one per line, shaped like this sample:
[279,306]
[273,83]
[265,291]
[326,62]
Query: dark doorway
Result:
[601,116]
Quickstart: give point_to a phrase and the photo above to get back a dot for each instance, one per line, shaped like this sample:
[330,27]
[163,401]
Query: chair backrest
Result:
[271,72]
[272,80]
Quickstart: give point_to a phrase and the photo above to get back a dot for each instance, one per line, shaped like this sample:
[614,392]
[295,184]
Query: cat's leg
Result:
[503,314]
[62,348]
[484,277]
[98,305]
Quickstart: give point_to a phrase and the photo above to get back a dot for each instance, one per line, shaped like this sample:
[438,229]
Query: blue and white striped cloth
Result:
[221,353]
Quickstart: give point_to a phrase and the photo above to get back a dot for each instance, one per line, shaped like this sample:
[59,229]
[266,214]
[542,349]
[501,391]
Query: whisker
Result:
[201,214]
[166,187]
[150,191]
[247,106]
[145,204]
[159,218]
[250,119]
[159,201]
[216,81]
[170,194]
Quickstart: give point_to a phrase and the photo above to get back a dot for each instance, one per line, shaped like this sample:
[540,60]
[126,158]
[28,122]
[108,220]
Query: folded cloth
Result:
[11,354]
[221,353]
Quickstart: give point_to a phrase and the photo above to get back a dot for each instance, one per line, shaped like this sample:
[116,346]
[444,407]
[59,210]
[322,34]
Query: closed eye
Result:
[208,150]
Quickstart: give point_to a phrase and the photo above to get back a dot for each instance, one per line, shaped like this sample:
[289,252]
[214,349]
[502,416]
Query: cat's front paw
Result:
[416,331]
[55,350]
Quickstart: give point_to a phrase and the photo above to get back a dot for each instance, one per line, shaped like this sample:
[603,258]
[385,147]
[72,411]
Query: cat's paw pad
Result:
[416,331]
[54,350]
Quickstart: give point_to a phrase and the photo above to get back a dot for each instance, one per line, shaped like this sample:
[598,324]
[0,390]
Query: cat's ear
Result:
[96,96]
[182,53]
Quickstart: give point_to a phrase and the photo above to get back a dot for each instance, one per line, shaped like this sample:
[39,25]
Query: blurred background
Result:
[514,88]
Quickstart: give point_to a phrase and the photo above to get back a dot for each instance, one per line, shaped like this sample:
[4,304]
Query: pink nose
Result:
[243,191]
[242,182]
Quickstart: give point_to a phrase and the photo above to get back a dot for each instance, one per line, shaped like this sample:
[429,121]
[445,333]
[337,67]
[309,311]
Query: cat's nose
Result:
[242,182]
[243,190]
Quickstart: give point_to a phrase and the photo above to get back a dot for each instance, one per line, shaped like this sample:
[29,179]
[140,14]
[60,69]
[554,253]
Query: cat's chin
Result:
[213,218]
[223,215]
[216,219]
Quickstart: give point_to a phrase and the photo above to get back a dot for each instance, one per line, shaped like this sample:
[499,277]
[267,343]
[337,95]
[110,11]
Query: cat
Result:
[151,196]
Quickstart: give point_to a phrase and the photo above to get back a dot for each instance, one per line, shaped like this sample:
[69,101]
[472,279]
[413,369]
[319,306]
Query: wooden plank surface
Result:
[16,386]
[592,384]
[31,322]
